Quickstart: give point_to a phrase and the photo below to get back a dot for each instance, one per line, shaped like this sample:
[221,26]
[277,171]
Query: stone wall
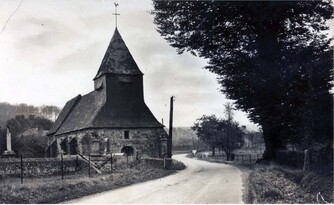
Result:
[157,162]
[144,141]
[34,167]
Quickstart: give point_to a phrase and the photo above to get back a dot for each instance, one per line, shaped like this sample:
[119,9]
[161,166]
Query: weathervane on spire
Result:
[116,14]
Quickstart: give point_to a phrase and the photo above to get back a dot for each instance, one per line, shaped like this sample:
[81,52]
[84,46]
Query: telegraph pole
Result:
[170,134]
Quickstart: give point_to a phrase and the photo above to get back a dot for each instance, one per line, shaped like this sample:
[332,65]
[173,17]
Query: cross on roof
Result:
[116,14]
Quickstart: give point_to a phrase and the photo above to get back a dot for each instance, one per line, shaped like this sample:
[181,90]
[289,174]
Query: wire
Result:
[17,8]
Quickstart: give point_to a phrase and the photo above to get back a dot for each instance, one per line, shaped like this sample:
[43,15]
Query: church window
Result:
[95,135]
[126,134]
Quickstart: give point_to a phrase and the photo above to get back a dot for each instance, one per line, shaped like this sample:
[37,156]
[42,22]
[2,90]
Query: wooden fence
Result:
[242,158]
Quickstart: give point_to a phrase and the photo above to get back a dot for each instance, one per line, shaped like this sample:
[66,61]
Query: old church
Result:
[113,118]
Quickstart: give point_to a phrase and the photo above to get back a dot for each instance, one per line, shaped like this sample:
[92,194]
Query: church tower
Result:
[121,82]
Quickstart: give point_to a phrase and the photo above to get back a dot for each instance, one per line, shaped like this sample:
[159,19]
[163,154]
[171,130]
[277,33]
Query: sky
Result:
[51,50]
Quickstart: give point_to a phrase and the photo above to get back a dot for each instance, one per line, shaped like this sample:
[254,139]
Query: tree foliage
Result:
[8,111]
[272,57]
[32,144]
[218,133]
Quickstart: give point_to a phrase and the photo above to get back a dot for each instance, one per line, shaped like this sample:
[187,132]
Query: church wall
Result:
[144,141]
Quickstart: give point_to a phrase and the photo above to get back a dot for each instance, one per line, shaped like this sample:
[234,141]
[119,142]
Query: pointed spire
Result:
[118,59]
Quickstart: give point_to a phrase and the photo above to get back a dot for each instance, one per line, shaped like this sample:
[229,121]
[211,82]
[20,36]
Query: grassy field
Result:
[55,190]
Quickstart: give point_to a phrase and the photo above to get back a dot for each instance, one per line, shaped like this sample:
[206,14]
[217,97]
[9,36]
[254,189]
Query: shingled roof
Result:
[118,59]
[64,114]
[95,110]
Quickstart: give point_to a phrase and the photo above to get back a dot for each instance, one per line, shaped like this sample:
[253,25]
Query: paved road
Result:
[201,182]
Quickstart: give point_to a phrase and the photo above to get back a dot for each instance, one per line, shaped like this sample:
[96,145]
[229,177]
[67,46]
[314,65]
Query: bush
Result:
[177,165]
[273,184]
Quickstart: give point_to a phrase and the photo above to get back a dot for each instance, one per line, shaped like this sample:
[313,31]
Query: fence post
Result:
[89,166]
[306,166]
[62,167]
[21,169]
[165,162]
[111,163]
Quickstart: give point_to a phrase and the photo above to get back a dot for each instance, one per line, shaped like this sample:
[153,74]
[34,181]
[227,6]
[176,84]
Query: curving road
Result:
[201,182]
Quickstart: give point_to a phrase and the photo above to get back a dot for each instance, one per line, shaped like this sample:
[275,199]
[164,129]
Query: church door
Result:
[129,151]
[73,146]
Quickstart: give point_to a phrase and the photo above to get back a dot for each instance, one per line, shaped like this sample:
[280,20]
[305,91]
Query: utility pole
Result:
[170,134]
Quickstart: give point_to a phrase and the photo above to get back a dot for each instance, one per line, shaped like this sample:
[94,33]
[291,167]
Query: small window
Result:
[126,134]
[98,84]
[125,79]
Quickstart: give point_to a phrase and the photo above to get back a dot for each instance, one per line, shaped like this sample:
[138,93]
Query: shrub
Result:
[177,165]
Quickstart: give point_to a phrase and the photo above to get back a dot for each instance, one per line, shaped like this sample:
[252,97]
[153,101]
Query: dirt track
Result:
[201,182]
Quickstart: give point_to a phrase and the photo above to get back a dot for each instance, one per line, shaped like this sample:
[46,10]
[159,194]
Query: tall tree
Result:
[272,57]
[231,133]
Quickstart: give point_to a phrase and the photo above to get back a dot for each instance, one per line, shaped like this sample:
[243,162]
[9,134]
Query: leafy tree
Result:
[230,137]
[272,57]
[32,145]
[208,129]
[219,133]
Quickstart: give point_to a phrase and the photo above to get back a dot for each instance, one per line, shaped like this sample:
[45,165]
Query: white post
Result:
[9,141]
[8,152]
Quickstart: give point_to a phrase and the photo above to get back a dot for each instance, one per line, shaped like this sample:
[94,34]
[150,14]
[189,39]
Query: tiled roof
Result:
[118,59]
[93,111]
[64,114]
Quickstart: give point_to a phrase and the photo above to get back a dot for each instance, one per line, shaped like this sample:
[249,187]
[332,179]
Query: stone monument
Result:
[9,152]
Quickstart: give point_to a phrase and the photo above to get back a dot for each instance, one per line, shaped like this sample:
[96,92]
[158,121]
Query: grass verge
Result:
[275,184]
[48,191]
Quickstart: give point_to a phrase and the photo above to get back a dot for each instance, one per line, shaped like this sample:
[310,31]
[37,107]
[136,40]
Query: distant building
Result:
[246,137]
[251,139]
[112,118]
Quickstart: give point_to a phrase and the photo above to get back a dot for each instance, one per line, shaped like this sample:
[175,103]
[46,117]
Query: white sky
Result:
[50,51]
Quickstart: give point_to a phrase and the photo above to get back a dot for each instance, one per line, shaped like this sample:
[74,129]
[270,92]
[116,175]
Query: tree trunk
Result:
[228,154]
[272,141]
